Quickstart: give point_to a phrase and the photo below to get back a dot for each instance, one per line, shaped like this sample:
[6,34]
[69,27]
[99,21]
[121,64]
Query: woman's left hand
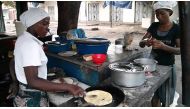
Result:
[157,44]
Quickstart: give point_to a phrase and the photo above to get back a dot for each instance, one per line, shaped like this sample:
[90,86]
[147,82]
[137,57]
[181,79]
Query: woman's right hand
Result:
[75,90]
[146,42]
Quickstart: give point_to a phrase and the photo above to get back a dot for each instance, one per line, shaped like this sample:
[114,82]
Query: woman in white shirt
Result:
[30,62]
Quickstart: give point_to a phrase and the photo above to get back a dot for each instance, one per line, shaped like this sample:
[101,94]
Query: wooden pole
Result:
[68,12]
[21,6]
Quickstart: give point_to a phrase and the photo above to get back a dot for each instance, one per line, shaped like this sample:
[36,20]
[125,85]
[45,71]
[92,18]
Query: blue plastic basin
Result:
[56,48]
[83,48]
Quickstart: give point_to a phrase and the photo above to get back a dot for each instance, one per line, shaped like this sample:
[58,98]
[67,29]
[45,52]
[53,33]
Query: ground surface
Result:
[117,31]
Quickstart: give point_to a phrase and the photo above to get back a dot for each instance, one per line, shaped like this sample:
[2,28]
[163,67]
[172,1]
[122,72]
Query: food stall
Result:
[94,75]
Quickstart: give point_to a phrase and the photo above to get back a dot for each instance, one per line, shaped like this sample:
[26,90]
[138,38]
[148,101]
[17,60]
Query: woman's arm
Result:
[160,45]
[34,81]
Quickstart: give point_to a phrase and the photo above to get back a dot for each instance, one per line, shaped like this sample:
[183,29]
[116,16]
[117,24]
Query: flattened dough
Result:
[67,80]
[98,97]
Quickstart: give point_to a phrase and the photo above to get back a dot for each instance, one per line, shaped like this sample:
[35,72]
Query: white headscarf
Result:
[164,5]
[32,16]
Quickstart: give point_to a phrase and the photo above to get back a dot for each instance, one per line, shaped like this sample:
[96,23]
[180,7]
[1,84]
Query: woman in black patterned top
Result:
[164,37]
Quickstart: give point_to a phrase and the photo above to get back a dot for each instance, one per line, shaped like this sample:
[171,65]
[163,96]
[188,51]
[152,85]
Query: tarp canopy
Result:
[120,4]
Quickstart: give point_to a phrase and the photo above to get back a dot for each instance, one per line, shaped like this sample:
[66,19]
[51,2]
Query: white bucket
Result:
[118,49]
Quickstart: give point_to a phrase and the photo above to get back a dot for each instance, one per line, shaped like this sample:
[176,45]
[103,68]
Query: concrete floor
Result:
[117,31]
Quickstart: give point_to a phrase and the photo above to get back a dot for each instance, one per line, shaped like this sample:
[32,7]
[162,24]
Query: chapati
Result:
[98,97]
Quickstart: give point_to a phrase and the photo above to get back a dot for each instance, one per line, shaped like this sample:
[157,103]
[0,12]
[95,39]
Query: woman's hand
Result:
[156,44]
[75,90]
[149,41]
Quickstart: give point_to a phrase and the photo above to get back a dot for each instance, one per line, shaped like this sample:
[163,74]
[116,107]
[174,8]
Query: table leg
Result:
[167,86]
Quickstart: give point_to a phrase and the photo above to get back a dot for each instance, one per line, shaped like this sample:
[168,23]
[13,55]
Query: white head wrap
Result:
[164,5]
[32,16]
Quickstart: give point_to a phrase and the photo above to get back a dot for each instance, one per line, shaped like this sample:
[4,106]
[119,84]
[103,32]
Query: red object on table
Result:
[99,58]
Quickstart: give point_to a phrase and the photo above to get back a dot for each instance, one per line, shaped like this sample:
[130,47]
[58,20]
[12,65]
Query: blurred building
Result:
[94,11]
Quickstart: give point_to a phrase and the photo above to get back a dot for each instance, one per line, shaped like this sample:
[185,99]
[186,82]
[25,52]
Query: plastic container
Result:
[61,39]
[118,49]
[99,58]
[56,48]
[100,46]
[83,48]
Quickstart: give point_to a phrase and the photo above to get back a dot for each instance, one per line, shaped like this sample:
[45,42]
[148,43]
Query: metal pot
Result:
[127,75]
[148,64]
